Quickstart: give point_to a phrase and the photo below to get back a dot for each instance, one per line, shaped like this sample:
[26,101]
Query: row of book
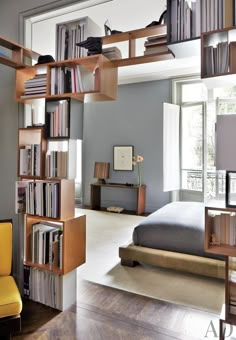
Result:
[57,121]
[216,59]
[39,198]
[35,86]
[47,243]
[29,160]
[190,18]
[185,19]
[56,164]
[156,44]
[71,79]
[224,229]
[67,38]
[43,286]
[70,33]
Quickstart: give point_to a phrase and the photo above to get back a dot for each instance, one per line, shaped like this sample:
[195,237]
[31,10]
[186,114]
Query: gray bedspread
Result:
[178,227]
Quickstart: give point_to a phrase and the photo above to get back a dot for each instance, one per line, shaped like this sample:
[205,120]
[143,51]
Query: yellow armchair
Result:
[10,299]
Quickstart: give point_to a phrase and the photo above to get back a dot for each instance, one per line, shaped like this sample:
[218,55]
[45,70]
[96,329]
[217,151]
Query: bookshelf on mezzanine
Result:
[220,238]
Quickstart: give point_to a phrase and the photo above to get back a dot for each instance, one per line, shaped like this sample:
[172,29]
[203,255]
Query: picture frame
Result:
[123,157]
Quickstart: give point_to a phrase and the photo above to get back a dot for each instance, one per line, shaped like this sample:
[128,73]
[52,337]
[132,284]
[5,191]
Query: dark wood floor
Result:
[104,313]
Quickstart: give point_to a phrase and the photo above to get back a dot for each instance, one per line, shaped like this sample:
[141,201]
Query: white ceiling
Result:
[123,15]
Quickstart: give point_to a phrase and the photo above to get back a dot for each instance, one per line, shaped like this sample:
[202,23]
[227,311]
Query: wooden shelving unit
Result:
[104,83]
[217,219]
[73,247]
[131,37]
[28,137]
[210,214]
[13,54]
[218,52]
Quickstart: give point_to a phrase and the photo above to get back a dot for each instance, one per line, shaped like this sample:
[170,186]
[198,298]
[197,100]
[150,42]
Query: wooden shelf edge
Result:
[44,267]
[143,59]
[221,250]
[135,34]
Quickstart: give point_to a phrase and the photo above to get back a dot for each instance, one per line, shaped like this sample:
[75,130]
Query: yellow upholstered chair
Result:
[10,299]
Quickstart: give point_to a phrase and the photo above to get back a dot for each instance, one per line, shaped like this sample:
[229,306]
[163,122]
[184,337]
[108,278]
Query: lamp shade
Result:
[226,142]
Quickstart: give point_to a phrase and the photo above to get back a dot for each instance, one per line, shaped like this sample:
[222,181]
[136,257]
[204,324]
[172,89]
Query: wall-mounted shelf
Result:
[99,80]
[13,54]
[131,37]
[218,50]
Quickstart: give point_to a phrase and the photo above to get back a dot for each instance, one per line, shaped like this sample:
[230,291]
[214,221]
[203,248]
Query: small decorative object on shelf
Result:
[162,20]
[92,44]
[136,161]
[115,209]
[108,30]
[44,59]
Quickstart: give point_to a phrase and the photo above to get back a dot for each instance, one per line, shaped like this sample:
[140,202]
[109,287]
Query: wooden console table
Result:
[96,195]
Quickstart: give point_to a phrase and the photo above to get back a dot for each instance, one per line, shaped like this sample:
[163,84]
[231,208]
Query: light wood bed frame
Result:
[132,255]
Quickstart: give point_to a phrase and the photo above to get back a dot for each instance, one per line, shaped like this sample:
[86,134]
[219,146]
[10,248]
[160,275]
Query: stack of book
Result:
[43,286]
[112,53]
[56,164]
[68,79]
[156,44]
[42,198]
[224,229]
[30,160]
[35,86]
[216,58]
[46,244]
[57,120]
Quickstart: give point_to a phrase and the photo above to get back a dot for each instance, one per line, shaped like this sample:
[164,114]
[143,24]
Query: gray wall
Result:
[135,118]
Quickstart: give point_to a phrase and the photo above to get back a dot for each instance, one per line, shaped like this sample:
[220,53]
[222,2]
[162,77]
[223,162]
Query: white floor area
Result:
[106,232]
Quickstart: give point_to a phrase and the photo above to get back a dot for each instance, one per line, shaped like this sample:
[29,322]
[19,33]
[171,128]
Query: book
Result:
[21,191]
[156,49]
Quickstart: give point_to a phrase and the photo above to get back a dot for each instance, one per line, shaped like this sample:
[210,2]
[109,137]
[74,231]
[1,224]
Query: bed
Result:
[173,237]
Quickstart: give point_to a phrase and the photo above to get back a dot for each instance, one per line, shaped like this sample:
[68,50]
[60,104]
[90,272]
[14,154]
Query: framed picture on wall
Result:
[123,157]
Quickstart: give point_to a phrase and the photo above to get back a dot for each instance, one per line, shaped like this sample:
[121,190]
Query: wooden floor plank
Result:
[106,313]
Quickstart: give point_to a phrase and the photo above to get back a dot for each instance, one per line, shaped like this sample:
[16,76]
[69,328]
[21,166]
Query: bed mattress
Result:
[177,227]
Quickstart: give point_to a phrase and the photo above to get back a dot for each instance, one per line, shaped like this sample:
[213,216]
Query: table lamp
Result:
[101,171]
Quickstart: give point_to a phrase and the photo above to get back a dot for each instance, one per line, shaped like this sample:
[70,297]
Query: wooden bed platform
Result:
[131,255]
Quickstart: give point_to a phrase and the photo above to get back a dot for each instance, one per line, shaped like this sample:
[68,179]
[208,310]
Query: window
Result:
[199,107]
[197,138]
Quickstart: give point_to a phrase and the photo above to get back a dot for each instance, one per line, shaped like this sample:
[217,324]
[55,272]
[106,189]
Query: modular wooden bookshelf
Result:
[131,37]
[73,247]
[14,55]
[31,152]
[220,238]
[49,205]
[102,71]
[220,230]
